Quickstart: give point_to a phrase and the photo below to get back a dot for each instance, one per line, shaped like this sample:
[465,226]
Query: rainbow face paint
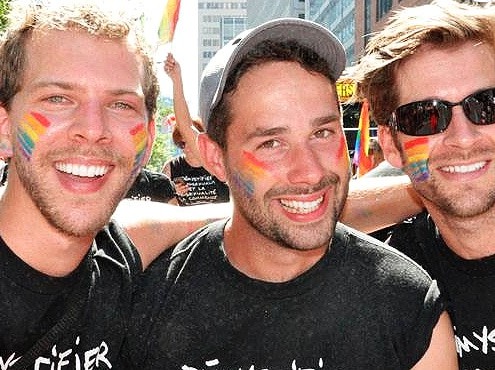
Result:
[253,169]
[140,139]
[416,152]
[342,151]
[31,127]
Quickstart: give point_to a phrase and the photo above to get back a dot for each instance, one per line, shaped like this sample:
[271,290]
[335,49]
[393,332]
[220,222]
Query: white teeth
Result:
[81,170]
[296,206]
[464,168]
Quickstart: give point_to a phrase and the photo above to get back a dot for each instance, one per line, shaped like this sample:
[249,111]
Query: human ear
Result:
[389,147]
[5,134]
[212,156]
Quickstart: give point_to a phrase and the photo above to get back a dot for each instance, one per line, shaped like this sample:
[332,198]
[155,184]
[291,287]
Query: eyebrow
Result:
[72,86]
[326,119]
[271,131]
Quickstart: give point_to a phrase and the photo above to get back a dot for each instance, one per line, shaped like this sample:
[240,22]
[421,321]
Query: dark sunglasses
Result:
[429,117]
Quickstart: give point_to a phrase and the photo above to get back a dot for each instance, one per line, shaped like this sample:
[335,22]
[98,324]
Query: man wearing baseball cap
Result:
[281,284]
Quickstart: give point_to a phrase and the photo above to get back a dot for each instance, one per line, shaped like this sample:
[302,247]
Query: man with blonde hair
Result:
[77,98]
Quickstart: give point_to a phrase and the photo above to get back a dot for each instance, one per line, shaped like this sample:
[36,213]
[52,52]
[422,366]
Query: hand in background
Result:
[172,68]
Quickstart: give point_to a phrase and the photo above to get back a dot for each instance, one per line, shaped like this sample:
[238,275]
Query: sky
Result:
[184,46]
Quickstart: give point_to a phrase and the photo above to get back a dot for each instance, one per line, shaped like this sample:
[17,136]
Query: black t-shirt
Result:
[362,306]
[203,187]
[32,303]
[467,285]
[153,186]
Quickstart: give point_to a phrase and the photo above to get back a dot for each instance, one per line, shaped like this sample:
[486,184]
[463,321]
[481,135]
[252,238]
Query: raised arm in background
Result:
[183,118]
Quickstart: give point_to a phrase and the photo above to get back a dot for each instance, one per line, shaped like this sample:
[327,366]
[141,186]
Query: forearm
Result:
[378,202]
[153,227]
[183,117]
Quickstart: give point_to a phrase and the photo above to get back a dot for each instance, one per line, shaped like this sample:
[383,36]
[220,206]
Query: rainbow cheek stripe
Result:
[30,129]
[140,139]
[253,169]
[343,152]
[417,158]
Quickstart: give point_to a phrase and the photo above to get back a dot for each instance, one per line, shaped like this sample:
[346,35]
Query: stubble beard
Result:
[277,228]
[470,203]
[45,197]
[455,202]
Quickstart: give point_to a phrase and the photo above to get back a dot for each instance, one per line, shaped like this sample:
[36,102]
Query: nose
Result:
[90,124]
[305,166]
[461,132]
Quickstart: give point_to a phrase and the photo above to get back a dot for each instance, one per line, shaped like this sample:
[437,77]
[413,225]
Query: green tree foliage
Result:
[4,7]
[163,147]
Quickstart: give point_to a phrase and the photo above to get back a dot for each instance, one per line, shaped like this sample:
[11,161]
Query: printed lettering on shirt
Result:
[73,358]
[291,365]
[478,341]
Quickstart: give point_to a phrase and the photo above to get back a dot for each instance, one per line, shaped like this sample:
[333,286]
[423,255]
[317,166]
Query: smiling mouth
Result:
[82,170]
[300,207]
[464,168]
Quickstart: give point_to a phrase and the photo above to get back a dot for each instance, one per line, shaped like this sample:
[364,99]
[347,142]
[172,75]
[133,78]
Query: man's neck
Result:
[28,234]
[470,237]
[261,258]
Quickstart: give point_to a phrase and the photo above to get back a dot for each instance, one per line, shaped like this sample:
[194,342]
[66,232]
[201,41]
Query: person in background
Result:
[281,284]
[376,152]
[193,183]
[151,186]
[430,79]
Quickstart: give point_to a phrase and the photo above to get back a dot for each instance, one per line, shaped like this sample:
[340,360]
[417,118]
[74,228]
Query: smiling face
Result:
[79,128]
[454,170]
[286,158]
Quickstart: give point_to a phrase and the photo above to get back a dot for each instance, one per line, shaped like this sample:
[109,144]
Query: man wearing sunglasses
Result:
[430,79]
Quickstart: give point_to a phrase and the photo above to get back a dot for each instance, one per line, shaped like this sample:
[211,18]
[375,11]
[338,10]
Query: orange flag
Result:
[361,158]
[169,21]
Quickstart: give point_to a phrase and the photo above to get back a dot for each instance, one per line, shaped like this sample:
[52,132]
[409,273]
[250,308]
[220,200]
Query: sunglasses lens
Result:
[422,118]
[480,108]
[431,117]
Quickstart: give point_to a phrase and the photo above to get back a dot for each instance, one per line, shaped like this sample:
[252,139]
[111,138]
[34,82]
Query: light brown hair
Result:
[442,24]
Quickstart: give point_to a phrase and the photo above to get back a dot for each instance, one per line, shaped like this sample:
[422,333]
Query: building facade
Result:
[260,11]
[371,16]
[218,23]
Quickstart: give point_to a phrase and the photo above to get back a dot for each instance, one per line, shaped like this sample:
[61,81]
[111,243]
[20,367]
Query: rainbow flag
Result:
[169,21]
[361,158]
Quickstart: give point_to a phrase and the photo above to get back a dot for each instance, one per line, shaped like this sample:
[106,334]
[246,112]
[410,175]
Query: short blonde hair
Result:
[88,16]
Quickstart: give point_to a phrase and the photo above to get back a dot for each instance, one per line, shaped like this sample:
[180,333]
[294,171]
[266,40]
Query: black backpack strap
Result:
[76,302]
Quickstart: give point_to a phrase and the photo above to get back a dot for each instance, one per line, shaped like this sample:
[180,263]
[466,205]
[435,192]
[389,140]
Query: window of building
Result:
[367,21]
[382,8]
[232,26]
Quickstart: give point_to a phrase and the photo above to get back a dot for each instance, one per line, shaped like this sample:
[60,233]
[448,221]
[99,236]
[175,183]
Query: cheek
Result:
[139,138]
[29,131]
[251,170]
[416,158]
